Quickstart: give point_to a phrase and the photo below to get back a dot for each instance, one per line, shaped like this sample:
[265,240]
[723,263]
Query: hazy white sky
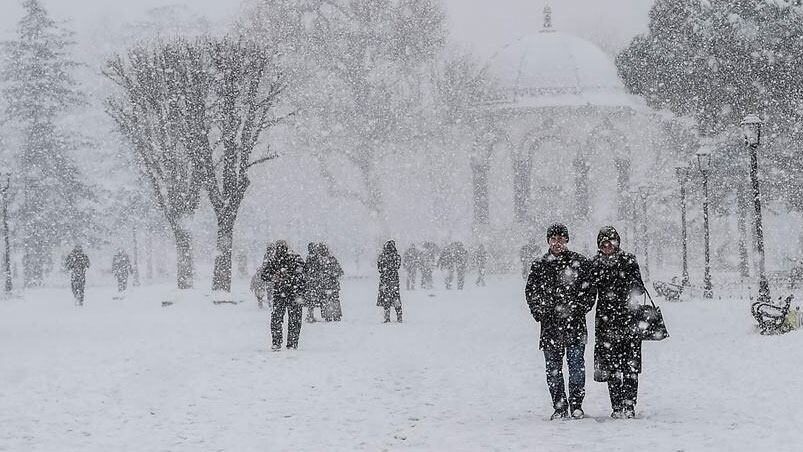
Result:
[483,25]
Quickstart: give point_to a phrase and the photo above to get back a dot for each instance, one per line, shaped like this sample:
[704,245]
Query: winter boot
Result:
[559,414]
[578,413]
[275,348]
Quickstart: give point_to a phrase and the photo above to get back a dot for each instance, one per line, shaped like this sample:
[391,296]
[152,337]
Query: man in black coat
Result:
[77,263]
[614,279]
[286,271]
[121,267]
[388,264]
[461,263]
[558,300]
[411,261]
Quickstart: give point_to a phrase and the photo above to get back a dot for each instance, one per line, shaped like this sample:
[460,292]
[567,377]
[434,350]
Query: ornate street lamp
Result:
[682,173]
[704,164]
[643,193]
[751,131]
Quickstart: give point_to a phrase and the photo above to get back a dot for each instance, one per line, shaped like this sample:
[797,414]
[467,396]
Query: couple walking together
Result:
[562,288]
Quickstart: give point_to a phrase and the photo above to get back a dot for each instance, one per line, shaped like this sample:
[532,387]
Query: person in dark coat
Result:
[286,271]
[481,260]
[460,263]
[446,262]
[263,290]
[558,299]
[411,262]
[429,256]
[77,263]
[121,268]
[614,279]
[331,271]
[313,274]
[528,253]
[388,264]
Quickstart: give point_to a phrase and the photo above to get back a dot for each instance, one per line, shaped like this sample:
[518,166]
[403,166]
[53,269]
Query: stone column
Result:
[623,186]
[480,169]
[522,166]
[581,203]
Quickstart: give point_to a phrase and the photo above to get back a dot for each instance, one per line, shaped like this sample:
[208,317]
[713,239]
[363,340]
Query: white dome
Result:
[554,69]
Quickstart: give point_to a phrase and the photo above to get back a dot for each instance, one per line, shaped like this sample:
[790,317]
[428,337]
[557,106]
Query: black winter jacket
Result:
[615,283]
[558,298]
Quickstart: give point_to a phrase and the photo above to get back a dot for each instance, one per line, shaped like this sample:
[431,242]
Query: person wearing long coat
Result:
[121,268]
[388,264]
[411,261]
[331,271]
[615,278]
[77,262]
[313,280]
[558,299]
[286,271]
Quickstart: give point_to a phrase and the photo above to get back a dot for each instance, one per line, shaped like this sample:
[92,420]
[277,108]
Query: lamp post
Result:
[751,130]
[704,164]
[643,192]
[682,173]
[5,184]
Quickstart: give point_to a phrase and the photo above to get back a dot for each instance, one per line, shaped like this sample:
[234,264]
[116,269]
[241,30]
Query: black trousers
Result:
[623,389]
[461,279]
[398,313]
[122,283]
[294,316]
[78,284]
[411,275]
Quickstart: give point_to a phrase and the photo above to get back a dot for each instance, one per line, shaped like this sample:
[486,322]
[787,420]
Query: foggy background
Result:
[483,25]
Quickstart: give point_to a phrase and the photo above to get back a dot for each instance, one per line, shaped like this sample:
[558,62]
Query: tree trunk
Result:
[221,279]
[32,266]
[622,186]
[183,258]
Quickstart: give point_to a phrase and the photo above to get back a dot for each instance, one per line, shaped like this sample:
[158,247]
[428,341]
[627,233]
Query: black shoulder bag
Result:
[649,322]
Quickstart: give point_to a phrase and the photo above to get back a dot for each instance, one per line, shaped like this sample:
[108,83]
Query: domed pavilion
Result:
[560,137]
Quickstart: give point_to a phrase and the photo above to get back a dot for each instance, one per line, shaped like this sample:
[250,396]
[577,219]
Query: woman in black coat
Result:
[388,264]
[615,279]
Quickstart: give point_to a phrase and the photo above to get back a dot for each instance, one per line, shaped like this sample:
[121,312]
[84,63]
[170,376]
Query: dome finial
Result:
[547,16]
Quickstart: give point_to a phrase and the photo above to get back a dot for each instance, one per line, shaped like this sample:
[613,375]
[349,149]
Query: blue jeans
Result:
[575,358]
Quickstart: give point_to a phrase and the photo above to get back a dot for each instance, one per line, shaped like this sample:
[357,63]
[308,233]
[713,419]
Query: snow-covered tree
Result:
[40,89]
[718,60]
[364,62]
[194,112]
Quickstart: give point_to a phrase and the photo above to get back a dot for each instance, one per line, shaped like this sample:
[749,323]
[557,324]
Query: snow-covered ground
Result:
[462,373]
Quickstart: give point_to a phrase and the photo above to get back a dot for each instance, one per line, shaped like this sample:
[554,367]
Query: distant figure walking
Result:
[388,264]
[76,263]
[331,271]
[460,263]
[286,271]
[263,290]
[411,262]
[313,280]
[121,268]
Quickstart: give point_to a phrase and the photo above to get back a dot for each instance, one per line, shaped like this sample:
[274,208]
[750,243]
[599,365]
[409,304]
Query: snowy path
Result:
[462,373]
